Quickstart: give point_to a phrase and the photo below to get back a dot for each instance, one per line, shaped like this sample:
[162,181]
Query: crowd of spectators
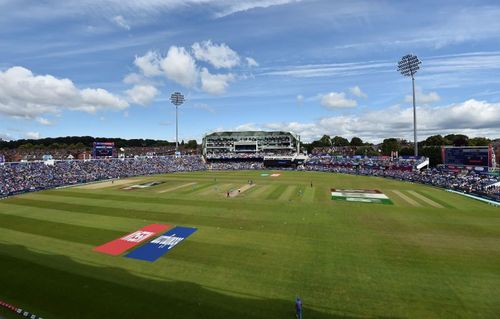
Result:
[247,165]
[334,150]
[375,162]
[250,155]
[31,176]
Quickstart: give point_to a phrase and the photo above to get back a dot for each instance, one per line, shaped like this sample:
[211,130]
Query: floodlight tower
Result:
[177,99]
[408,66]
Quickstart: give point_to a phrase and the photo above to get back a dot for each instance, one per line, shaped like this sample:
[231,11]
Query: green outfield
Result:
[431,254]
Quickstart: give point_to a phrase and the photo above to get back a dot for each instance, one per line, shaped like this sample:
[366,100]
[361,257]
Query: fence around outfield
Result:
[477,197]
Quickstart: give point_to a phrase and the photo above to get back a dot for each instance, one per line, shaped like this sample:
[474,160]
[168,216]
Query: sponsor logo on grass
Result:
[143,185]
[122,244]
[164,241]
[161,245]
[138,236]
[272,175]
[360,196]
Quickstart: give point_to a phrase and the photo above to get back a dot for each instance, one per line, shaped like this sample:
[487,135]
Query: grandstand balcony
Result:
[249,144]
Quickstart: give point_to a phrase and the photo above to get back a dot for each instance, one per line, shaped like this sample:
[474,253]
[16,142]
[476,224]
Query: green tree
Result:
[340,141]
[479,141]
[325,140]
[356,141]
[436,140]
[406,151]
[433,153]
[457,139]
[389,145]
[192,144]
[27,146]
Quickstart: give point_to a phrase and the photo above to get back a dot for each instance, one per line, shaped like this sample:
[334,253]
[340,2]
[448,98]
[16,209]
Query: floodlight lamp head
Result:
[409,65]
[177,98]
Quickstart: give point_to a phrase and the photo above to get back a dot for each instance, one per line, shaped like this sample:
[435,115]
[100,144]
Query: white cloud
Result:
[336,100]
[247,127]
[32,135]
[423,98]
[461,25]
[292,126]
[229,8]
[165,123]
[138,10]
[356,91]
[218,55]
[251,62]
[121,22]
[332,69]
[133,78]
[215,83]
[44,121]
[23,94]
[300,99]
[142,94]
[179,66]
[203,106]
[95,99]
[149,63]
[472,117]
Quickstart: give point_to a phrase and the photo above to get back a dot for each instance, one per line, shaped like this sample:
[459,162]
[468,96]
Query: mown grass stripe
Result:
[321,193]
[308,196]
[249,191]
[146,199]
[437,200]
[229,222]
[172,188]
[396,199]
[407,199]
[74,218]
[297,193]
[193,190]
[287,194]
[260,191]
[68,232]
[276,193]
[428,201]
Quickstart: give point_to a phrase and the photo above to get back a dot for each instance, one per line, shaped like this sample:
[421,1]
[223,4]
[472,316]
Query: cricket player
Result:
[298,308]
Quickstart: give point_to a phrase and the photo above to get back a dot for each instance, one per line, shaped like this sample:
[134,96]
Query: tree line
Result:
[86,142]
[430,147]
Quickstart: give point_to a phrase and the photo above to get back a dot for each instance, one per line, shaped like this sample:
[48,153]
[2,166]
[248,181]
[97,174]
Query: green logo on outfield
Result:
[360,196]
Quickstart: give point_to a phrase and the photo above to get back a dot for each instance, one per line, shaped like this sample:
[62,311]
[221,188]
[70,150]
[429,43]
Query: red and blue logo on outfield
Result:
[120,245]
[161,245]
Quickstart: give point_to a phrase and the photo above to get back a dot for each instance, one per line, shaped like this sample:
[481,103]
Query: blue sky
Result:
[107,68]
